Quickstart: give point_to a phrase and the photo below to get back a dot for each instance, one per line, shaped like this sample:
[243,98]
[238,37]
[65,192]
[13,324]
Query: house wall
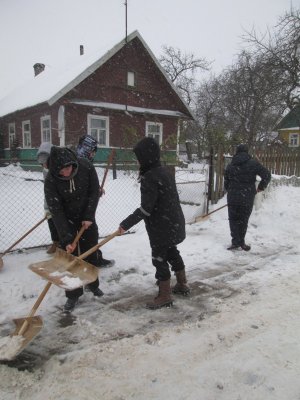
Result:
[124,129]
[34,115]
[284,135]
[107,84]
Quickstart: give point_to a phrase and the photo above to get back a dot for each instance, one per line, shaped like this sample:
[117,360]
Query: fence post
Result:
[210,178]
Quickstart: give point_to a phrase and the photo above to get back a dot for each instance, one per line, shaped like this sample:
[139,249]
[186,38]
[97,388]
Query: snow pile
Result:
[10,346]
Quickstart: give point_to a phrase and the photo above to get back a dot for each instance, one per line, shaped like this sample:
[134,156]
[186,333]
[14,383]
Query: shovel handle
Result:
[25,234]
[92,249]
[34,308]
[109,161]
[78,236]
[208,214]
[225,205]
[97,246]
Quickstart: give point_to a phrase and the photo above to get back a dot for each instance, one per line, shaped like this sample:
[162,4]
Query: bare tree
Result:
[278,48]
[181,69]
[252,98]
[242,104]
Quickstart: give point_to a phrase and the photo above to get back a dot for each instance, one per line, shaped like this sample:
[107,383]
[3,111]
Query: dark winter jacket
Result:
[160,207]
[73,199]
[240,178]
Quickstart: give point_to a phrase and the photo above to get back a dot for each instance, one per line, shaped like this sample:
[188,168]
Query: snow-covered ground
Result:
[235,338]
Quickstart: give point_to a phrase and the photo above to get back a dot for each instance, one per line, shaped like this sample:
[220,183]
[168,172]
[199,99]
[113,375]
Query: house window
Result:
[154,130]
[46,129]
[98,127]
[11,134]
[294,139]
[130,78]
[26,130]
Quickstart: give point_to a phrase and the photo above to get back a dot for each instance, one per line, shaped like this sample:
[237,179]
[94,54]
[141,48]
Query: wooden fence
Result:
[279,161]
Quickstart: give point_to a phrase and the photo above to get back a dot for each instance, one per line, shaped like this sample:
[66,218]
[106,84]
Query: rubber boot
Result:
[181,286]
[163,299]
[52,248]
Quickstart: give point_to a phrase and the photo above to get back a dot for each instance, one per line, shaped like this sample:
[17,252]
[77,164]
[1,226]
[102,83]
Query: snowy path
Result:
[235,338]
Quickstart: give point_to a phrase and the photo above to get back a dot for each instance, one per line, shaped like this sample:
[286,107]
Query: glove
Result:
[101,191]
[48,214]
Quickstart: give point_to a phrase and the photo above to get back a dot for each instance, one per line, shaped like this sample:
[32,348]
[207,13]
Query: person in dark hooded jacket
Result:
[87,148]
[164,220]
[72,193]
[239,182]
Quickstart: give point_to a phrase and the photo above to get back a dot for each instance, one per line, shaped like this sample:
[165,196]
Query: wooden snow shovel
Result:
[205,216]
[27,328]
[19,240]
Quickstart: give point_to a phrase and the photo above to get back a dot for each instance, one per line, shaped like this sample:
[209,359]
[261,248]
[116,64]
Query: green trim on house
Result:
[27,157]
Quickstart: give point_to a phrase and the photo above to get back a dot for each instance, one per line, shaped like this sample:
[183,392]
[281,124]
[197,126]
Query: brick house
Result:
[289,128]
[118,98]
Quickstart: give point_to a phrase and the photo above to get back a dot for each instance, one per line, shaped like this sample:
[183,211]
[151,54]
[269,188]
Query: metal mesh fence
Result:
[22,202]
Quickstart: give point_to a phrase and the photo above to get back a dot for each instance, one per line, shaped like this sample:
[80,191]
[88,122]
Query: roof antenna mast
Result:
[125,20]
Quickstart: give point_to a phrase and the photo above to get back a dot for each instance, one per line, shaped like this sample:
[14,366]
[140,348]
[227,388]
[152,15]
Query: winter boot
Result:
[105,263]
[97,292]
[233,247]
[52,248]
[163,299]
[70,304]
[181,286]
[245,247]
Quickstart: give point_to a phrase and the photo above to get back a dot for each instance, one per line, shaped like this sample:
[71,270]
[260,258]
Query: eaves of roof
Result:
[122,107]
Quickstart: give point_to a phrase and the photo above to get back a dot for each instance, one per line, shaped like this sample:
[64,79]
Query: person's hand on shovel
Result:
[121,230]
[72,246]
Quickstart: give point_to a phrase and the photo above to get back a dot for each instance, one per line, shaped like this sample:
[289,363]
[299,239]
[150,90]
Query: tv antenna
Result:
[125,20]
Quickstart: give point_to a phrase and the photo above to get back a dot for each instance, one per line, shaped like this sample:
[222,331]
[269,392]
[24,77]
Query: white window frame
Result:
[130,78]
[46,133]
[294,140]
[11,135]
[26,133]
[158,135]
[98,132]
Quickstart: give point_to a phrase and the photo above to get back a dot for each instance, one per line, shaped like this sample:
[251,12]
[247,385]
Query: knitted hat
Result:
[43,152]
[86,146]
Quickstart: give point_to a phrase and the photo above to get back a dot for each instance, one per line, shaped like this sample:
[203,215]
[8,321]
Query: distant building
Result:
[289,128]
[117,98]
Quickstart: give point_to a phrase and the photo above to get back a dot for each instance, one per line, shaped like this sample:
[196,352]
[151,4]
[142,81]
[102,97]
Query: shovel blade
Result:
[15,343]
[34,326]
[66,271]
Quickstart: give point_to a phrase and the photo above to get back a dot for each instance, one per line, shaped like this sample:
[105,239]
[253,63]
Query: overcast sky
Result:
[50,30]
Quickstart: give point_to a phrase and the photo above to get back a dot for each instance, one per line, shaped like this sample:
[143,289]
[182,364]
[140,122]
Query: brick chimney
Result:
[81,49]
[38,68]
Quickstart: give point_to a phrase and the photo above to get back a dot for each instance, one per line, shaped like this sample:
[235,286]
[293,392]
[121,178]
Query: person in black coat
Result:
[72,193]
[240,178]
[164,220]
[87,148]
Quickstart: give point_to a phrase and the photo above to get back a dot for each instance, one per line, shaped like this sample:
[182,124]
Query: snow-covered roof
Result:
[53,83]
